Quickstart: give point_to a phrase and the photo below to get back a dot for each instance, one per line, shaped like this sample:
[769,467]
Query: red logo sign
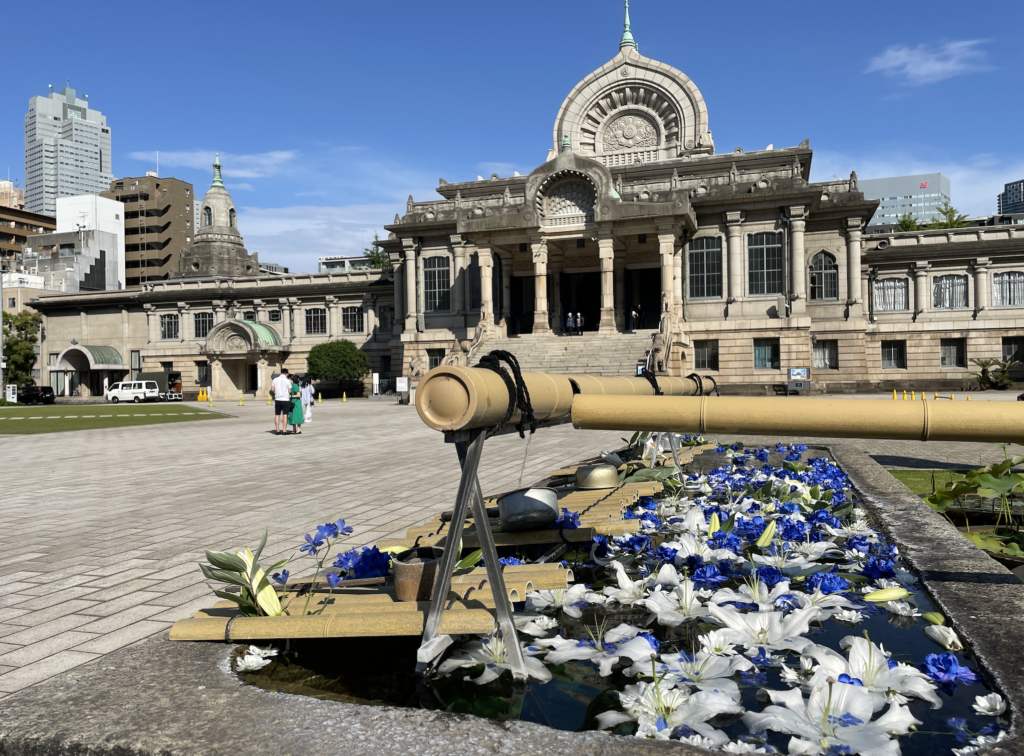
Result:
[924,184]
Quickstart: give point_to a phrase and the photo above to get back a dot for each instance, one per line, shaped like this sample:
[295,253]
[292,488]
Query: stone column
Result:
[507,261]
[220,311]
[409,250]
[982,285]
[621,305]
[333,316]
[369,316]
[83,321]
[215,378]
[920,287]
[152,323]
[734,258]
[677,279]
[853,234]
[486,258]
[460,278]
[797,256]
[540,287]
[399,298]
[185,326]
[606,252]
[667,248]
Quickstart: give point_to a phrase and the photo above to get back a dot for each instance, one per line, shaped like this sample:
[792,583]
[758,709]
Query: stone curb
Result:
[162,698]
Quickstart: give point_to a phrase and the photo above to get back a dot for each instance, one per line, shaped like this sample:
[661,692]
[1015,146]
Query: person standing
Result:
[295,415]
[639,315]
[632,319]
[570,323]
[281,388]
[579,323]
[307,400]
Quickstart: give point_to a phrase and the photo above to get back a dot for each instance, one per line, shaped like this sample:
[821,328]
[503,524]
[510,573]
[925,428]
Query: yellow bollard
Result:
[202,394]
[952,396]
[935,396]
[968,397]
[270,400]
[894,395]
[912,396]
[319,398]
[904,395]
[240,402]
[344,396]
[209,400]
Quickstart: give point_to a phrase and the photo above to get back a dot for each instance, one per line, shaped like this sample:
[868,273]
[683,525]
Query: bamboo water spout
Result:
[451,398]
[821,418]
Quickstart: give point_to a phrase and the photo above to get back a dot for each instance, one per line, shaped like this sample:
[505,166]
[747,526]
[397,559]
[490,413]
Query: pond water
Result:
[377,671]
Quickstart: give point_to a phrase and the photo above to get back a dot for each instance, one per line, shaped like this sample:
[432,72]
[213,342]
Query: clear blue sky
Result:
[328,115]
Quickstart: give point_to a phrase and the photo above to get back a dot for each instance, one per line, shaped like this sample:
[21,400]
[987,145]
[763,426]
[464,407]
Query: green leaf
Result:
[844,511]
[247,607]
[730,523]
[224,561]
[470,560]
[259,549]
[223,576]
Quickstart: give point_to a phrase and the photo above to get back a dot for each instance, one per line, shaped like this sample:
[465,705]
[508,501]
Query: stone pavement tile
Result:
[122,577]
[8,647]
[121,619]
[55,597]
[13,599]
[186,610]
[123,637]
[43,669]
[193,577]
[14,556]
[44,616]
[44,588]
[180,597]
[15,572]
[20,656]
[118,568]
[106,608]
[123,589]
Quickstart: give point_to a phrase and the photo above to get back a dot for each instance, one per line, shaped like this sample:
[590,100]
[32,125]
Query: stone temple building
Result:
[731,264]
[217,248]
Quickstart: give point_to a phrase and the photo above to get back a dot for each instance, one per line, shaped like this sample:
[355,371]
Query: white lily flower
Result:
[832,715]
[944,636]
[869,663]
[605,656]
[492,653]
[628,592]
[699,741]
[264,653]
[250,663]
[786,560]
[814,550]
[534,624]
[566,599]
[850,529]
[882,584]
[620,633]
[902,609]
[794,676]
[849,615]
[768,630]
[703,671]
[991,705]
[667,577]
[654,706]
[738,746]
[676,606]
[716,642]
[753,593]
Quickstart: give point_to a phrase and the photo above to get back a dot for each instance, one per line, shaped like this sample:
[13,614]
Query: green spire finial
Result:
[627,36]
[216,171]
[566,144]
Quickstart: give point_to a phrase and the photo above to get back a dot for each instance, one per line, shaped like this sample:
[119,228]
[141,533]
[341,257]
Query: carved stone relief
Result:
[629,132]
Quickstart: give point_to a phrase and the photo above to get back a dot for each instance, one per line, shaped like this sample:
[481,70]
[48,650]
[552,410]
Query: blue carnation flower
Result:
[567,520]
[876,568]
[827,582]
[708,577]
[769,575]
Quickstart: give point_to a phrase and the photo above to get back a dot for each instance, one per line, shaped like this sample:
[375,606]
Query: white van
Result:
[133,391]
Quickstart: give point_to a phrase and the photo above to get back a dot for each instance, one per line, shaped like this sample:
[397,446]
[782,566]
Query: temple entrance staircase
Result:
[592,353]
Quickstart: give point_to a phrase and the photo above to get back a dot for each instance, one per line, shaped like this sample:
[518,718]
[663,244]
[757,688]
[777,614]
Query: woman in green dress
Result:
[296,416]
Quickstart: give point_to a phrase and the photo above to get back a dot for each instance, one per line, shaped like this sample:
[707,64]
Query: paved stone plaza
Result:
[103,529]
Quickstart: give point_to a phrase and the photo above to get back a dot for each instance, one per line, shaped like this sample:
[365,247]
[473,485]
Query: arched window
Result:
[231,217]
[824,277]
[207,216]
[1008,289]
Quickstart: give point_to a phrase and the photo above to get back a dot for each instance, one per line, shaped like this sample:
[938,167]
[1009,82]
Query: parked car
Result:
[133,391]
[35,395]
[169,384]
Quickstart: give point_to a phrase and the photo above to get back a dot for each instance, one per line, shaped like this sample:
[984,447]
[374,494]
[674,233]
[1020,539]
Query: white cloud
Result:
[296,236]
[927,64]
[975,180]
[256,165]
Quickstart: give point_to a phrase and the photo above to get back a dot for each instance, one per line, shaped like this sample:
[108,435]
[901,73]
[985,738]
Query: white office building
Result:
[67,150]
[89,212]
[918,195]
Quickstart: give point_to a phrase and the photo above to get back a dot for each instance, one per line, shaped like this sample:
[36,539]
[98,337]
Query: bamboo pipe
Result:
[826,418]
[451,398]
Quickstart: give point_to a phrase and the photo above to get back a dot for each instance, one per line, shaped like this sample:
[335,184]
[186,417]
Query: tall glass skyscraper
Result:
[67,150]
[917,195]
[1012,198]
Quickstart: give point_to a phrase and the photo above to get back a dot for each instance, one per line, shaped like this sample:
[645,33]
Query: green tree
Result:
[337,361]
[21,334]
[908,222]
[951,218]
[378,256]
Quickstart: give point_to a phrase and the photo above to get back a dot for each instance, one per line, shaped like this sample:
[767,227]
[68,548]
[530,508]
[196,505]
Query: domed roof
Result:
[217,213]
[634,109]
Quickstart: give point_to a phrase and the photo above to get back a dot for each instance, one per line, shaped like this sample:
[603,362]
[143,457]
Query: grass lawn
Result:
[920,481]
[51,418]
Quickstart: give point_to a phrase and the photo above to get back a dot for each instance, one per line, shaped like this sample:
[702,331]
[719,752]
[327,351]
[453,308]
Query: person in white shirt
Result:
[282,388]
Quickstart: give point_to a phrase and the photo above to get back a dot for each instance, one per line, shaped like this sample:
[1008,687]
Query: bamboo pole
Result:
[451,398]
[823,418]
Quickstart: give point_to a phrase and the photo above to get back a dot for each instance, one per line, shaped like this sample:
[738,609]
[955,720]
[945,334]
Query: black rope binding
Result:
[699,381]
[653,380]
[518,394]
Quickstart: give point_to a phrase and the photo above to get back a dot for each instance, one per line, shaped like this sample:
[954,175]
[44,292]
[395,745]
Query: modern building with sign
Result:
[918,195]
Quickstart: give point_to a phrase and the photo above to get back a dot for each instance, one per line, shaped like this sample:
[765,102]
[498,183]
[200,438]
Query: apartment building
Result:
[16,226]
